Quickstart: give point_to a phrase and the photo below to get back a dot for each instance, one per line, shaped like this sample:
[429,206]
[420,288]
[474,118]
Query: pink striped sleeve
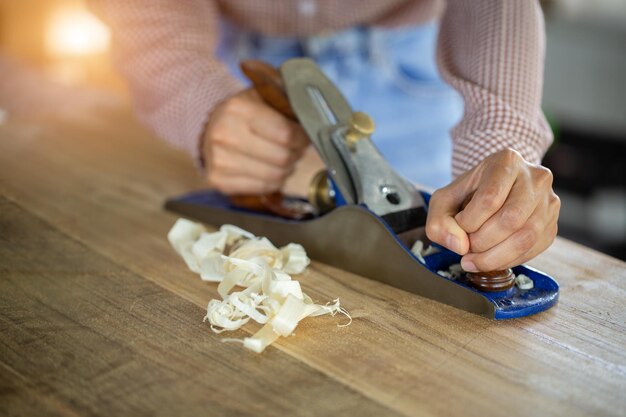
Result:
[492,52]
[165,49]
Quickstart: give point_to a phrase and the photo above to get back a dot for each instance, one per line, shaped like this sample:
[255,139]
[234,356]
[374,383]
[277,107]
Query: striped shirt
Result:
[491,51]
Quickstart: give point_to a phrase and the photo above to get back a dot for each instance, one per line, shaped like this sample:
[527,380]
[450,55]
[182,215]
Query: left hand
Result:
[511,216]
[249,147]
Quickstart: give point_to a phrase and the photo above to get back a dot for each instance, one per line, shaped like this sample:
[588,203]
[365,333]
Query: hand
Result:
[250,148]
[511,216]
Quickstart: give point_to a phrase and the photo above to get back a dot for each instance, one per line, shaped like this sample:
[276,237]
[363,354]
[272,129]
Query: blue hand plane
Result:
[361,215]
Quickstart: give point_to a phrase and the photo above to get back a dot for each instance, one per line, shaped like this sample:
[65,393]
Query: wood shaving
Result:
[523,282]
[453,272]
[420,251]
[237,259]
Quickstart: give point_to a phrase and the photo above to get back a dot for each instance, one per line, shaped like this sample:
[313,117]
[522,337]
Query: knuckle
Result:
[512,218]
[441,195]
[437,194]
[543,176]
[477,243]
[526,239]
[555,202]
[220,134]
[510,155]
[464,220]
[233,104]
[284,159]
[434,229]
[228,106]
[218,140]
[283,134]
[489,198]
[490,193]
[216,115]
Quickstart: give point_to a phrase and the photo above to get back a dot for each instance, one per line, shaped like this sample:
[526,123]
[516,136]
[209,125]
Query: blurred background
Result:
[54,57]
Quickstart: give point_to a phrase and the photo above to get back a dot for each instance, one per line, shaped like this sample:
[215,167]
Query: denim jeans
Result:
[389,73]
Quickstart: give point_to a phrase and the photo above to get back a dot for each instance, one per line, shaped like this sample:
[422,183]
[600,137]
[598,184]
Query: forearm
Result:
[492,52]
[165,49]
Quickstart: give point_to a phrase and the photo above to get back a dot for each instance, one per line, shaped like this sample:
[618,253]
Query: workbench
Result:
[99,316]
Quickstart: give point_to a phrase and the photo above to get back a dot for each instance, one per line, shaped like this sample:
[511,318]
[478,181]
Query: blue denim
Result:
[389,73]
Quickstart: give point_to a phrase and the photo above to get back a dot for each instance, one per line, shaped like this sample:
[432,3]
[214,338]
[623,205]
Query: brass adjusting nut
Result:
[492,281]
[321,195]
[360,126]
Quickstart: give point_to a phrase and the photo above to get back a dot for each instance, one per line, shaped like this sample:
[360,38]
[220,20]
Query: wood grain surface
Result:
[99,316]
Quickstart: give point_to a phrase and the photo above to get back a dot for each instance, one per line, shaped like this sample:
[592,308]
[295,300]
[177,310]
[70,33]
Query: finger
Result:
[274,127]
[492,191]
[243,141]
[532,234]
[513,215]
[441,227]
[235,184]
[301,139]
[551,230]
[229,162]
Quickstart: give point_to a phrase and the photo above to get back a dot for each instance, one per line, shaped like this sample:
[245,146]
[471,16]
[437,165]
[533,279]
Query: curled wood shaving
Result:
[235,258]
[419,250]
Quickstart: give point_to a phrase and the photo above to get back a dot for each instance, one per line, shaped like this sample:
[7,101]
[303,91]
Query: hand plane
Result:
[361,215]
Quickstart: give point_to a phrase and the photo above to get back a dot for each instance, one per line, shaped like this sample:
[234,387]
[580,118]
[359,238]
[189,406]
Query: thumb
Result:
[441,226]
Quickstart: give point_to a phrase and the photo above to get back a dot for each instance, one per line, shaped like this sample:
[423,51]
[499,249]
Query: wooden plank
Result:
[407,352]
[19,397]
[84,336]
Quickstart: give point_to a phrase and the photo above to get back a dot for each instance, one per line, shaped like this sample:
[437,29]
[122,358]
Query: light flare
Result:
[76,32]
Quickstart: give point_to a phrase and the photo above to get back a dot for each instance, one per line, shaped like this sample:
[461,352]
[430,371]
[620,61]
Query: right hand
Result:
[512,214]
[250,148]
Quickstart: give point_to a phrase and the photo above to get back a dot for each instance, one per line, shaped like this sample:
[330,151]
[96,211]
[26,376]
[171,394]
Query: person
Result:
[180,60]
